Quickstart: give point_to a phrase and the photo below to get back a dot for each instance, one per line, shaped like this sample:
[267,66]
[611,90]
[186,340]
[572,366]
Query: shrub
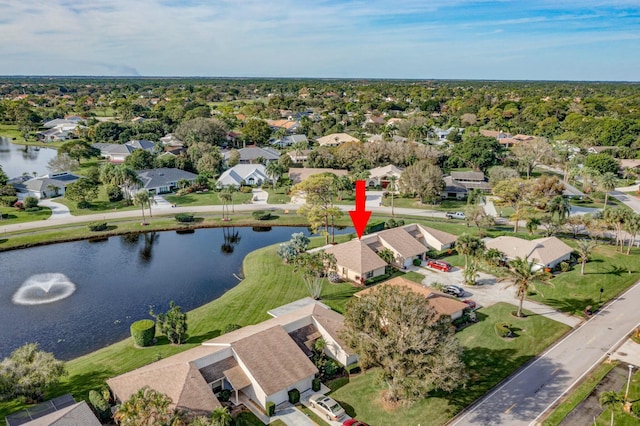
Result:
[417,262]
[353,368]
[261,215]
[271,408]
[391,223]
[84,205]
[564,266]
[635,408]
[184,217]
[331,368]
[315,385]
[333,277]
[30,202]
[100,406]
[143,332]
[503,329]
[114,193]
[225,394]
[246,189]
[230,327]
[97,226]
[459,321]
[400,222]
[33,209]
[294,396]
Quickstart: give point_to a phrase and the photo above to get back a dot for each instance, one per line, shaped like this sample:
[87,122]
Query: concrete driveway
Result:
[489,291]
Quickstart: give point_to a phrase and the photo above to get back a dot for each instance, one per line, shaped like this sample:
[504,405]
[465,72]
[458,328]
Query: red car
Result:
[439,265]
[353,422]
[470,303]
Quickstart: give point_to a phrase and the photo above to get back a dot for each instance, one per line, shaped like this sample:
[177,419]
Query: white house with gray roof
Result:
[164,179]
[51,185]
[254,154]
[117,153]
[544,252]
[249,174]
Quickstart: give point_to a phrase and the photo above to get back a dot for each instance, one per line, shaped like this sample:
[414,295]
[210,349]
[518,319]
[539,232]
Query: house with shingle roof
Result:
[250,174]
[403,245]
[50,185]
[441,303]
[381,176]
[253,154]
[431,237]
[356,261]
[298,175]
[545,252]
[117,153]
[60,411]
[164,179]
[260,362]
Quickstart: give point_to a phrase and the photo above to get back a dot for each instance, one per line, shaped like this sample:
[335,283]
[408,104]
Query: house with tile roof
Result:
[260,362]
[545,252]
[381,176]
[442,303]
[298,175]
[335,139]
[117,153]
[249,174]
[290,140]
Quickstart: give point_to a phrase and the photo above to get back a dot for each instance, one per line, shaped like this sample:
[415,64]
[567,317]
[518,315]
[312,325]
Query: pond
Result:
[74,298]
[18,159]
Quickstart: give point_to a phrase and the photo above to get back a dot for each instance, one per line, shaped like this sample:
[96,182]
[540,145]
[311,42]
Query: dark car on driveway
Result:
[454,290]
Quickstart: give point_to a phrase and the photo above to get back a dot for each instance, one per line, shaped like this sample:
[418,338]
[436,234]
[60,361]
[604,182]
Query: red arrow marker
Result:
[360,216]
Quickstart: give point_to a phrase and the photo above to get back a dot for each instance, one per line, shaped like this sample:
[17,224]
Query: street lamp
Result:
[626,393]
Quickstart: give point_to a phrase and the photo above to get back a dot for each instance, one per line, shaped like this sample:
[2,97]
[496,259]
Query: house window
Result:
[369,275]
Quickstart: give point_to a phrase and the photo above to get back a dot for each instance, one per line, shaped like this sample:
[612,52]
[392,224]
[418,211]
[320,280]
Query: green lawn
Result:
[100,205]
[278,196]
[578,395]
[206,199]
[620,418]
[608,269]
[488,357]
[11,131]
[12,215]
[414,203]
[269,284]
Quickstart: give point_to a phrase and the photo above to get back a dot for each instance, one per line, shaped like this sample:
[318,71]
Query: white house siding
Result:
[356,276]
[558,260]
[213,358]
[283,395]
[254,391]
[456,315]
[333,348]
[432,242]
[297,324]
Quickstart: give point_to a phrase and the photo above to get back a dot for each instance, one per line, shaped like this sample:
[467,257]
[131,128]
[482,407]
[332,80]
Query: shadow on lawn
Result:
[572,305]
[80,384]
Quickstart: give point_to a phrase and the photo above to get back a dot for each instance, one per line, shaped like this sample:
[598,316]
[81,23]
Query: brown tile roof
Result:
[402,242]
[298,175]
[542,250]
[356,256]
[273,359]
[443,304]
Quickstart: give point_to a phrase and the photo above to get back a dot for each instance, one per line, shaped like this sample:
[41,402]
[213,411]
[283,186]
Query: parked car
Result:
[454,290]
[470,303]
[331,409]
[455,215]
[353,422]
[439,265]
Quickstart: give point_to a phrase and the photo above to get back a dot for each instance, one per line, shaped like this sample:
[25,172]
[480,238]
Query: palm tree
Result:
[632,226]
[392,187]
[607,184]
[525,275]
[274,171]
[584,248]
[560,205]
[469,245]
[152,200]
[141,198]
[532,224]
[609,400]
[226,198]
[221,417]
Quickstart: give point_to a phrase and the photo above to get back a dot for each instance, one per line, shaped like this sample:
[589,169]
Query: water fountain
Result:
[44,288]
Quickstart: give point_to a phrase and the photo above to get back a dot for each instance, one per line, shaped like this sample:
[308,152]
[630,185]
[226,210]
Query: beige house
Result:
[356,261]
[545,252]
[442,303]
[381,176]
[298,175]
[335,139]
[260,362]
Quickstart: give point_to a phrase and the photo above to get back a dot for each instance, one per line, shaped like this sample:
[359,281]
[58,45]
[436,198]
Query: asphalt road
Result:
[529,393]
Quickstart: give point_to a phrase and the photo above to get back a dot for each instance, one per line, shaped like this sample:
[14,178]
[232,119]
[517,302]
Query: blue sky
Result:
[423,39]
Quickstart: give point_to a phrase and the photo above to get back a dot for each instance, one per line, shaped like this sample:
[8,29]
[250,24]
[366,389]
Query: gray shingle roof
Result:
[164,176]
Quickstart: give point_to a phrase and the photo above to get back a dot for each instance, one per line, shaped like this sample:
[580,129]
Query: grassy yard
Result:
[269,284]
[11,131]
[277,196]
[578,395]
[206,199]
[100,205]
[414,203]
[488,357]
[12,215]
[620,418]
[608,269]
